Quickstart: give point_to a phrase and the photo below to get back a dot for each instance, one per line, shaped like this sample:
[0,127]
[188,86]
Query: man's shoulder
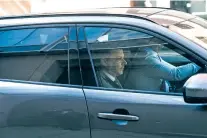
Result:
[104,80]
[103,76]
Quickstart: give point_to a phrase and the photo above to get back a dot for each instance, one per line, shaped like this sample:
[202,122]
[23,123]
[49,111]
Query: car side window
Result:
[128,59]
[39,55]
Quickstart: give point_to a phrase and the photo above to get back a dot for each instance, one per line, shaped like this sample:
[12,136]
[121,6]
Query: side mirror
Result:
[195,89]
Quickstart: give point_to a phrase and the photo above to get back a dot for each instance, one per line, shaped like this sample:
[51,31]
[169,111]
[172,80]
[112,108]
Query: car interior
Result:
[134,57]
[38,67]
[39,55]
[54,63]
[51,66]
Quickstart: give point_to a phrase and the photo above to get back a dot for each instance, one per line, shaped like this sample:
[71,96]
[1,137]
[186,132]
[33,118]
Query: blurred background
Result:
[19,7]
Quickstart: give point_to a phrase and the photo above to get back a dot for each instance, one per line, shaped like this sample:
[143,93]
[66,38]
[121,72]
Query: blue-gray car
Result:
[104,73]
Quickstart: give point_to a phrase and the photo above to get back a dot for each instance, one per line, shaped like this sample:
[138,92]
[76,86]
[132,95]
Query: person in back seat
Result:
[112,66]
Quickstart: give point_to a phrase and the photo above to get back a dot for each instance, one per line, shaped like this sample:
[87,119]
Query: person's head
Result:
[114,62]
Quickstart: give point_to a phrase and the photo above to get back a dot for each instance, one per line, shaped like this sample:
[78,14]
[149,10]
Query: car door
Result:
[40,88]
[130,113]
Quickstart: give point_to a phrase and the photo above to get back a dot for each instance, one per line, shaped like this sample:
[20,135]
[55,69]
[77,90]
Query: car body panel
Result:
[35,110]
[160,116]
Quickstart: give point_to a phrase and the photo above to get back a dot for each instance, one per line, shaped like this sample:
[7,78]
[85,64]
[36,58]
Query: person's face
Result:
[116,62]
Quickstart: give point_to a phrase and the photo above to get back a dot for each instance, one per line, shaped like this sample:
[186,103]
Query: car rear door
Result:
[40,88]
[125,113]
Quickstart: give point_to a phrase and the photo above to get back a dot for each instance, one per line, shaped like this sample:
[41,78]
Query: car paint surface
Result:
[160,116]
[34,110]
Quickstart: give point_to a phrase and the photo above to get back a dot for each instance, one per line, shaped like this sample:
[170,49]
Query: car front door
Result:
[41,92]
[128,112]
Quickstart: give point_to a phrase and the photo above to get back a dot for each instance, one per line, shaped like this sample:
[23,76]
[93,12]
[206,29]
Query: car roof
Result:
[162,16]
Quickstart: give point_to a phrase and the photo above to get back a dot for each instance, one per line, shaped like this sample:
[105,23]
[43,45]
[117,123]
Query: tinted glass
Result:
[106,34]
[30,39]
[128,59]
[94,33]
[54,64]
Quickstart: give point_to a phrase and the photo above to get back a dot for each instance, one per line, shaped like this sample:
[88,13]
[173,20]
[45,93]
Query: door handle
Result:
[111,116]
